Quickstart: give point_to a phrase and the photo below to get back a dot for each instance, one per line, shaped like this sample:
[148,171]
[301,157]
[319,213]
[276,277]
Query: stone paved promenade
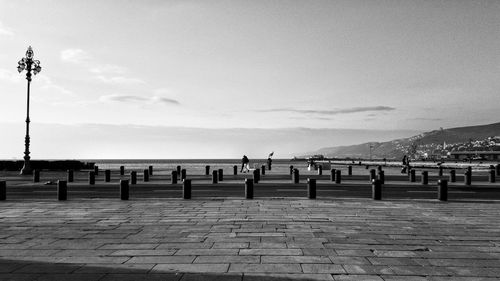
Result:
[261,239]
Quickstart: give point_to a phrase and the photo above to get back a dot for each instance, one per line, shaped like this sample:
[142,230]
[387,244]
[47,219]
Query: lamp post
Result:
[28,64]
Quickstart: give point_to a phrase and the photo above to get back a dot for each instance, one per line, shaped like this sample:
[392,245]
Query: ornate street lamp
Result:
[28,64]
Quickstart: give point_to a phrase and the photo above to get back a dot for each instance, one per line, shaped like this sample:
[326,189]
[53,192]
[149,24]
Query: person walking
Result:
[244,164]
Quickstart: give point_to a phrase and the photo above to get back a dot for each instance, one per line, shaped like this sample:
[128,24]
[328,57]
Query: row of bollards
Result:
[217,175]
[62,189]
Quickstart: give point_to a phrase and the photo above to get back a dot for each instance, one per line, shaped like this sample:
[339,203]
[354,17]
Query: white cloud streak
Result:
[334,111]
[5,31]
[139,99]
[120,80]
[10,76]
[106,73]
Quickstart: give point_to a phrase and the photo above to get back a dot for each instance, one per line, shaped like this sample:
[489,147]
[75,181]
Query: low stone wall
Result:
[53,165]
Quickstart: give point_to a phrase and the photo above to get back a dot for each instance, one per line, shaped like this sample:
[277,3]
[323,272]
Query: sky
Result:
[266,68]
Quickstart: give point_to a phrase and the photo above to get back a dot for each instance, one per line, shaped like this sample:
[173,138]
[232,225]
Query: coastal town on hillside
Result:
[485,149]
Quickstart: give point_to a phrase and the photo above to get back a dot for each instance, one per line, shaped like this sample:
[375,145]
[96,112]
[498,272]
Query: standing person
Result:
[244,164]
[269,160]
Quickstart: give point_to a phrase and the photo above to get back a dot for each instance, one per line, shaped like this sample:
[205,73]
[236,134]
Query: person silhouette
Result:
[244,164]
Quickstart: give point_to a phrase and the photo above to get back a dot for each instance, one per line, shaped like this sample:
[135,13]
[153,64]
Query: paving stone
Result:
[265,268]
[237,245]
[74,277]
[349,260]
[284,277]
[115,268]
[367,269]
[227,259]
[47,268]
[354,277]
[129,246]
[143,253]
[270,252]
[162,259]
[139,277]
[211,277]
[10,267]
[206,252]
[188,267]
[295,259]
[323,268]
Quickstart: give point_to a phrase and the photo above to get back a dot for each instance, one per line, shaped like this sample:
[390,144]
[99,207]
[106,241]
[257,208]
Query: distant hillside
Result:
[397,148]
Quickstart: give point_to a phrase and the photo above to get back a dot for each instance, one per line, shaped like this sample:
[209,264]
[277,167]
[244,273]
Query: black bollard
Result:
[291,170]
[145,175]
[381,177]
[107,175]
[442,190]
[497,168]
[183,174]
[379,168]
[256,176]
[173,177]
[62,190]
[178,169]
[186,189]
[207,170]
[320,170]
[3,190]
[133,177]
[425,177]
[468,178]
[367,167]
[70,176]
[263,169]
[440,171]
[311,188]
[150,168]
[412,175]
[332,174]
[453,177]
[214,176]
[492,176]
[36,176]
[372,175]
[122,170]
[376,190]
[235,170]
[91,177]
[295,176]
[338,176]
[349,170]
[124,189]
[248,188]
[96,170]
[220,174]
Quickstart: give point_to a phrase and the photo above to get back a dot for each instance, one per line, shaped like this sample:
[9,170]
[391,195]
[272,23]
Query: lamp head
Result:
[29,53]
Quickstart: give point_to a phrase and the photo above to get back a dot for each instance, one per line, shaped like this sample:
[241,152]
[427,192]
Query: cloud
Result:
[10,76]
[107,68]
[77,56]
[47,83]
[106,73]
[333,112]
[138,99]
[425,119]
[5,31]
[120,80]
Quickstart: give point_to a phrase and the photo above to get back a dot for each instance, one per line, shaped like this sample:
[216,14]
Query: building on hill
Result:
[480,155]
